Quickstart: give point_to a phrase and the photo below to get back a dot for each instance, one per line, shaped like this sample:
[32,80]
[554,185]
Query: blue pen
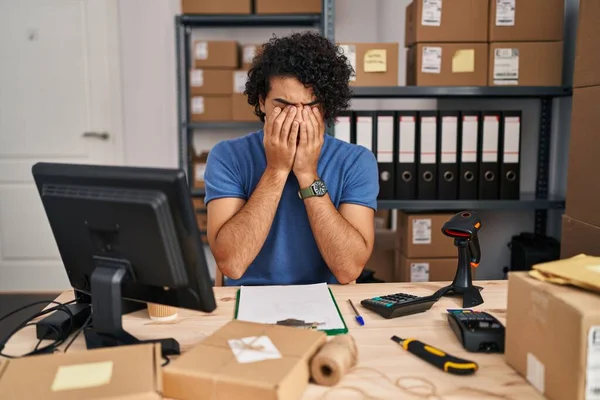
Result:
[358,318]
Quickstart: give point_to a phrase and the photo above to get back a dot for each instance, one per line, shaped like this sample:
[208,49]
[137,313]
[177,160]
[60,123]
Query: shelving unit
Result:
[540,202]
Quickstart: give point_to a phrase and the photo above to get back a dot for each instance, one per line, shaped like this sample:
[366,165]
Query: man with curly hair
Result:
[290,204]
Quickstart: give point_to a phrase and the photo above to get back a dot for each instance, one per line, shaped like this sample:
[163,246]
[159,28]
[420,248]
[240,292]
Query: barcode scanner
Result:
[464,228]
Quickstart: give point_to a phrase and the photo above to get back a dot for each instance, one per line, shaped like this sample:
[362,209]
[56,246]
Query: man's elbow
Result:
[227,264]
[350,274]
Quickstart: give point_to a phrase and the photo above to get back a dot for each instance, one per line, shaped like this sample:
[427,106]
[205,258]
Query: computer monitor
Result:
[125,233]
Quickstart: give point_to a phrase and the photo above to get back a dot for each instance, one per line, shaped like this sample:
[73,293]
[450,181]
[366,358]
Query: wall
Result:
[150,100]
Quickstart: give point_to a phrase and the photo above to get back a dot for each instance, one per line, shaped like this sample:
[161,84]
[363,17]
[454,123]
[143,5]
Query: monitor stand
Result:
[106,328]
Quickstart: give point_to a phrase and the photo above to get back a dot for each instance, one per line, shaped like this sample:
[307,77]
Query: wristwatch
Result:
[317,188]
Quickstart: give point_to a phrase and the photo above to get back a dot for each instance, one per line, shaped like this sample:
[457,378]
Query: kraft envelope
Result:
[463,61]
[375,60]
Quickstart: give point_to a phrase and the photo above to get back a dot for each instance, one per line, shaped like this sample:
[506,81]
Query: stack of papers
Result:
[308,303]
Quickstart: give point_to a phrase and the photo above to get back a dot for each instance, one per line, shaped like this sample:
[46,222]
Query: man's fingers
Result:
[303,134]
[309,125]
[278,123]
[287,124]
[271,120]
[293,138]
[317,114]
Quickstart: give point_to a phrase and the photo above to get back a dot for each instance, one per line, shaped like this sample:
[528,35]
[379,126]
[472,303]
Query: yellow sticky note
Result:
[82,376]
[463,61]
[375,60]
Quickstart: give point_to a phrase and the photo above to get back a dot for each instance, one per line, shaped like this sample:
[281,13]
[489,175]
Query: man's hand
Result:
[280,139]
[309,146]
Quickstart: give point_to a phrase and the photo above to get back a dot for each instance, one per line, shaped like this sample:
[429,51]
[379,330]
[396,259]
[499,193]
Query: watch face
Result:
[319,188]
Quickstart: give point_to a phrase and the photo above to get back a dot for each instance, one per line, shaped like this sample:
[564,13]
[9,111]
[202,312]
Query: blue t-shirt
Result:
[290,254]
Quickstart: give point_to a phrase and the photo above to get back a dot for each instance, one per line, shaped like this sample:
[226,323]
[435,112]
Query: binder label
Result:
[421,231]
[198,105]
[592,382]
[197,78]
[505,12]
[469,139]
[419,272]
[364,132]
[385,139]
[506,66]
[449,139]
[239,81]
[406,152]
[511,139]
[342,129]
[490,139]
[428,140]
[201,50]
[432,13]
[350,53]
[431,62]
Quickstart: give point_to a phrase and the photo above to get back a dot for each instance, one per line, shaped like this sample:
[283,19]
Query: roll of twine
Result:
[334,360]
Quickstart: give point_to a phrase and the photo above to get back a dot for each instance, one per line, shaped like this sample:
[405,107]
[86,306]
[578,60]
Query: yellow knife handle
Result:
[439,358]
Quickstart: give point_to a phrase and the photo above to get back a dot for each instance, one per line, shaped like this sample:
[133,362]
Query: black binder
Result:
[468,139]
[343,126]
[510,151]
[427,132]
[383,140]
[406,150]
[363,128]
[447,180]
[489,170]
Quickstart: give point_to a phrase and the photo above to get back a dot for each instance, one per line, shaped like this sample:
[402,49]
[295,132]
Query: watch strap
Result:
[306,192]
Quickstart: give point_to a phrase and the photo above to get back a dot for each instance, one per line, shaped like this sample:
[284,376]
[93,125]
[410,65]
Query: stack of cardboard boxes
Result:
[581,222]
[484,43]
[217,83]
[424,253]
[242,7]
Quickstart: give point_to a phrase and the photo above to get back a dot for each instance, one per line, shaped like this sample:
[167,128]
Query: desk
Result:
[376,350]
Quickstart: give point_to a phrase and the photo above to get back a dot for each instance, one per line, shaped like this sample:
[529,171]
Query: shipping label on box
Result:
[419,272]
[349,51]
[506,66]
[239,81]
[505,12]
[201,50]
[197,78]
[432,13]
[421,231]
[432,60]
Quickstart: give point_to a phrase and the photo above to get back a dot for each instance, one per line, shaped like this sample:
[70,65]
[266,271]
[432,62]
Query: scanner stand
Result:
[106,328]
[463,282]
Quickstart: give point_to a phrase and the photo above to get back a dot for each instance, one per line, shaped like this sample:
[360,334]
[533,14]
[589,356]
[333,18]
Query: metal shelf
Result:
[397,92]
[250,20]
[249,126]
[526,203]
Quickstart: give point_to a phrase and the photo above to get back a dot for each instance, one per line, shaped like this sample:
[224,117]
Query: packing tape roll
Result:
[334,360]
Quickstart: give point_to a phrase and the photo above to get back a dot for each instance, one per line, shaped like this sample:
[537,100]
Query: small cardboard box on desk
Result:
[245,360]
[128,372]
[553,337]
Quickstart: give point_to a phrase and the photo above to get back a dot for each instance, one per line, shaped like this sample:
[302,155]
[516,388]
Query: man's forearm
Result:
[240,239]
[344,249]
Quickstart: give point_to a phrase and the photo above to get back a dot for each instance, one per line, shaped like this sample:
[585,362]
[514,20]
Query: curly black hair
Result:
[312,59]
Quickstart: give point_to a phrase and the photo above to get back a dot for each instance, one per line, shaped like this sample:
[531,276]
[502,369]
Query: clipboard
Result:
[329,332]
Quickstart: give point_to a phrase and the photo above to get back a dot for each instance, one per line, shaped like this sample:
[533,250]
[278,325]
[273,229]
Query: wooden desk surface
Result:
[376,350]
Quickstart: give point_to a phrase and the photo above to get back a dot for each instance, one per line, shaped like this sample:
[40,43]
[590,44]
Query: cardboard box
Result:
[587,48]
[216,54]
[420,235]
[199,166]
[455,21]
[241,110]
[211,370]
[101,374]
[216,7]
[382,261]
[583,193]
[578,237]
[199,205]
[526,64]
[553,337]
[288,7]
[202,221]
[447,64]
[210,108]
[526,20]
[426,269]
[374,64]
[249,51]
[211,81]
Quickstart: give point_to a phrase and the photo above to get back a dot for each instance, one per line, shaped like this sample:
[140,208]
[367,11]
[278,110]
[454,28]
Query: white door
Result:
[59,102]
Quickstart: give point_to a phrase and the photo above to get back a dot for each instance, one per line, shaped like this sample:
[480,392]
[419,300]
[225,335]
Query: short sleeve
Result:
[361,185]
[222,177]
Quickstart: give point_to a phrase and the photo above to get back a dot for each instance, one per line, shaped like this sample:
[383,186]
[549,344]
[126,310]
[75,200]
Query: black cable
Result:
[60,336]
[87,321]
